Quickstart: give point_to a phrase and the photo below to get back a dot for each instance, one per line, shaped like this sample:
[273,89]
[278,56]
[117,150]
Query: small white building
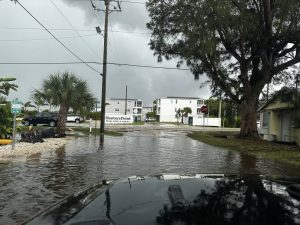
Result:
[116,106]
[168,106]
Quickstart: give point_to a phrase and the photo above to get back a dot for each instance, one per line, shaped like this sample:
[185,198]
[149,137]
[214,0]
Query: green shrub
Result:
[6,121]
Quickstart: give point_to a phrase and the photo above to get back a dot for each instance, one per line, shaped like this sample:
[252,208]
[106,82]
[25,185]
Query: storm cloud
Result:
[128,43]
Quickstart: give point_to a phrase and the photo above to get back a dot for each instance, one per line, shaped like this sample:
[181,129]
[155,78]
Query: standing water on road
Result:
[30,184]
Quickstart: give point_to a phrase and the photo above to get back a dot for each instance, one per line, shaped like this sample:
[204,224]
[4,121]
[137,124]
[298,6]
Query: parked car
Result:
[74,118]
[41,118]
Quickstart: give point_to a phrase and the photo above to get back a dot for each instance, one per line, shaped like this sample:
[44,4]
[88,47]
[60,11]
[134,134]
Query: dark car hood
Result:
[173,199]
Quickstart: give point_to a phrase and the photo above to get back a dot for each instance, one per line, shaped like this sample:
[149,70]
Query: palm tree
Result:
[28,104]
[66,91]
[39,99]
[183,113]
[5,86]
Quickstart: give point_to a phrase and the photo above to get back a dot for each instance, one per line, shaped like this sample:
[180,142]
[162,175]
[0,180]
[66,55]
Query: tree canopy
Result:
[6,86]
[66,91]
[241,45]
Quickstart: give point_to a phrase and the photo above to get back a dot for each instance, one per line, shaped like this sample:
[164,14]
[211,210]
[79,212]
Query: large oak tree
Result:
[241,45]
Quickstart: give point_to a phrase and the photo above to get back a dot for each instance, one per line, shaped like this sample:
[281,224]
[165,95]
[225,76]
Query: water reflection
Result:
[234,201]
[29,184]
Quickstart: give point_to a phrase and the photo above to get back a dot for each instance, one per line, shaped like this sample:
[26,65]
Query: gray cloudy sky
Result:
[127,44]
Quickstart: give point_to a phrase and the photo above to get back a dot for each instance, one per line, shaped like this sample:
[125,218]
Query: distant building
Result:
[168,106]
[116,106]
[146,110]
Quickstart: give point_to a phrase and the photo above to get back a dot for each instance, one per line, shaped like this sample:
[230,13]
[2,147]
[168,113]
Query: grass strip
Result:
[282,153]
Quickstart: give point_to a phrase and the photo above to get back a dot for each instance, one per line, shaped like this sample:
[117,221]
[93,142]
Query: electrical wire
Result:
[125,1]
[95,14]
[45,39]
[57,39]
[67,29]
[93,62]
[73,28]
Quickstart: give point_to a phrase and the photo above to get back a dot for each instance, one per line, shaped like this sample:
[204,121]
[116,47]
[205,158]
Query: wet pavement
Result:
[30,184]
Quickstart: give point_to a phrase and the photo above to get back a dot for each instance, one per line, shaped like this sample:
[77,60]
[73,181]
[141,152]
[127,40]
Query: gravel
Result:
[24,148]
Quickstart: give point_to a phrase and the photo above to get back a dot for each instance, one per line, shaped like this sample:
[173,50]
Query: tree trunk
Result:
[248,119]
[61,122]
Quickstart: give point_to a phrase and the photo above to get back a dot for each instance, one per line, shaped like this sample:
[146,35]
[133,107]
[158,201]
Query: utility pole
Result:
[126,101]
[103,101]
[107,10]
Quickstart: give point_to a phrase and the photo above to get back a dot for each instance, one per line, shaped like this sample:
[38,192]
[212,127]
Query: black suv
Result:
[41,118]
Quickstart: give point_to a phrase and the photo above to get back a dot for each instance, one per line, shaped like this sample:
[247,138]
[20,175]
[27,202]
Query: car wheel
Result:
[27,123]
[77,121]
[52,124]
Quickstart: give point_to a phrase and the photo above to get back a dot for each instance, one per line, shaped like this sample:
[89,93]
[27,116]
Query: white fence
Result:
[208,122]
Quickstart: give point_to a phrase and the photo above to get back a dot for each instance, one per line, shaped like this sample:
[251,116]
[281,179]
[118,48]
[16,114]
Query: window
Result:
[199,102]
[190,101]
[198,111]
[266,119]
[176,101]
[118,103]
[171,101]
[117,109]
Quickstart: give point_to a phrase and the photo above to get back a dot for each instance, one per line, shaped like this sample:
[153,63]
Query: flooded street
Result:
[30,184]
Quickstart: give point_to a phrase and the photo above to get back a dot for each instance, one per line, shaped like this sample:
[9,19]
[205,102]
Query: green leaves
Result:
[6,86]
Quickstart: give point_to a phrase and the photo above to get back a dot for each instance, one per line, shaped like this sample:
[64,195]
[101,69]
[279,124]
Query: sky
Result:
[128,43]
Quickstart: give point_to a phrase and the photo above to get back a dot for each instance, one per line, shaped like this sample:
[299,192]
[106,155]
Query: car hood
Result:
[174,199]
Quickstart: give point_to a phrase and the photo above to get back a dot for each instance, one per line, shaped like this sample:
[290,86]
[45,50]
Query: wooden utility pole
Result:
[103,101]
[126,101]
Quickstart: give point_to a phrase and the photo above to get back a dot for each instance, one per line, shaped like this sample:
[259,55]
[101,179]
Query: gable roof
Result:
[285,96]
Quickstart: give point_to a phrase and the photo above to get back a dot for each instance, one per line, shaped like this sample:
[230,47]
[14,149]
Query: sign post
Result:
[16,106]
[204,110]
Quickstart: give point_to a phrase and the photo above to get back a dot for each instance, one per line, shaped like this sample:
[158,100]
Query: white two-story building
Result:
[118,106]
[168,106]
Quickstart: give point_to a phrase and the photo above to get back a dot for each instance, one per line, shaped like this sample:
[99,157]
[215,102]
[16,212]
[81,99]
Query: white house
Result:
[118,106]
[168,106]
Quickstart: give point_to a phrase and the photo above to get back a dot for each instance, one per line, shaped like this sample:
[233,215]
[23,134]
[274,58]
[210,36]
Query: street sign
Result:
[16,106]
[204,109]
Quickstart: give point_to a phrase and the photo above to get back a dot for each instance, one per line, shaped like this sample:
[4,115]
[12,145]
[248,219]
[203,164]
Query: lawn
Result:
[283,153]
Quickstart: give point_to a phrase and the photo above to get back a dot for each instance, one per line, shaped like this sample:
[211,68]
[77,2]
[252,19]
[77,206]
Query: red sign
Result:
[204,109]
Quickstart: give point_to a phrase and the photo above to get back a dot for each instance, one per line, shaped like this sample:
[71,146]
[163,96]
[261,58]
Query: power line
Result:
[68,29]
[130,2]
[79,35]
[45,39]
[57,38]
[95,14]
[93,62]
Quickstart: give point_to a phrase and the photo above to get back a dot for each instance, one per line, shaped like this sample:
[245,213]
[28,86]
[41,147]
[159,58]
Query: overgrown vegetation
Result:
[287,154]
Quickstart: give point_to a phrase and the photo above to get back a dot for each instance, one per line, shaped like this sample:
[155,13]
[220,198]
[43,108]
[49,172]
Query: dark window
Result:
[266,119]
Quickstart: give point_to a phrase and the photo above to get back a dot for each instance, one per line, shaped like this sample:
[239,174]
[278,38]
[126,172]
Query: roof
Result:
[281,99]
[187,98]
[124,99]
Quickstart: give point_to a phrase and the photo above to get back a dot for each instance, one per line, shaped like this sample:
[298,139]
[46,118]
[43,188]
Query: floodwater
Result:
[31,184]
